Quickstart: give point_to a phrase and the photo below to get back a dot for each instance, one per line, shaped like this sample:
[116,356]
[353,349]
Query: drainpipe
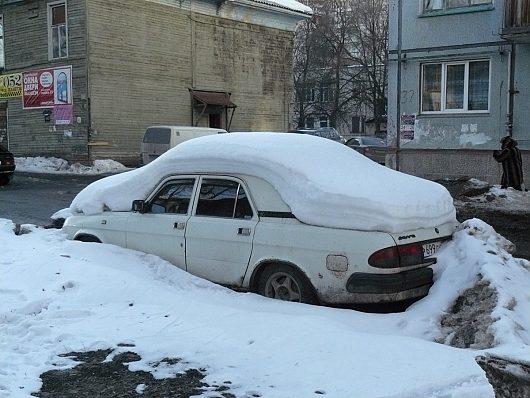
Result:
[511,91]
[398,84]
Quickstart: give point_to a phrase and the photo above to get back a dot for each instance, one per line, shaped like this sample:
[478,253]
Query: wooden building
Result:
[128,64]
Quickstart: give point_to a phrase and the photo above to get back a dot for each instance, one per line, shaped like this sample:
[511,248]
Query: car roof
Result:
[306,171]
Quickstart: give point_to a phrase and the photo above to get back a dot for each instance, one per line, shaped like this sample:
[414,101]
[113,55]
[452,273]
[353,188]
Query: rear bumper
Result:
[7,169]
[380,288]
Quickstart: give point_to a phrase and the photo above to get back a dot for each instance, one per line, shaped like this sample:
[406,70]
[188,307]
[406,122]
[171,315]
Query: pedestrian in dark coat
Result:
[512,164]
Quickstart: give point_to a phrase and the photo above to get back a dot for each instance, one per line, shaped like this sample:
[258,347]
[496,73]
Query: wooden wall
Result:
[26,48]
[133,63]
[144,56]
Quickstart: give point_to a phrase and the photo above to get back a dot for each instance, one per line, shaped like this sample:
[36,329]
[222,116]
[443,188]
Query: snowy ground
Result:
[60,296]
[494,197]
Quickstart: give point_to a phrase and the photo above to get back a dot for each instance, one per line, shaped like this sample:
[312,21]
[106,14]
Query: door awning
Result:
[214,98]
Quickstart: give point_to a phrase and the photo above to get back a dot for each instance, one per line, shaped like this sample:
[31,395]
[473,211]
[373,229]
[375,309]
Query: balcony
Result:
[517,21]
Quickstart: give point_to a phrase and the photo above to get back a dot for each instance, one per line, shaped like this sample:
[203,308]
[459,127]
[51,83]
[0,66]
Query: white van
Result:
[158,139]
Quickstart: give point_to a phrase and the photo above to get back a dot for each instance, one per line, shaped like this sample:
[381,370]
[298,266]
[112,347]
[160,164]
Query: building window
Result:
[57,30]
[431,5]
[455,87]
[310,94]
[2,57]
[325,94]
[323,121]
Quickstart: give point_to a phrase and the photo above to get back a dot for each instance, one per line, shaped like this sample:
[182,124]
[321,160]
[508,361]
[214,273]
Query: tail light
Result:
[397,256]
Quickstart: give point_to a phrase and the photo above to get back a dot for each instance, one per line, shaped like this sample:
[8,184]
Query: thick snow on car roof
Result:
[323,182]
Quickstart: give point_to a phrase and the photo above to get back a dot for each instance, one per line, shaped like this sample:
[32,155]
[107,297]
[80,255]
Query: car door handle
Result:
[243,231]
[179,225]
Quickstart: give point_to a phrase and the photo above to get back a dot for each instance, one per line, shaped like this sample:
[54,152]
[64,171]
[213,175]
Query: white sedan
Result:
[274,214]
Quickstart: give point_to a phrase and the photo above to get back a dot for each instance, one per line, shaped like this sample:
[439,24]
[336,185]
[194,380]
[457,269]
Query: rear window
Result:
[157,135]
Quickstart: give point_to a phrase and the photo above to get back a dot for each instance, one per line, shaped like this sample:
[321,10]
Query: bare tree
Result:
[340,61]
[369,49]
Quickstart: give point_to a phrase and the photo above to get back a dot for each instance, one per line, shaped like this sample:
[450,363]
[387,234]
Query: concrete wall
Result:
[454,144]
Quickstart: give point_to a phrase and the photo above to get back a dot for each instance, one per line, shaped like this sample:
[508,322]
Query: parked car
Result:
[269,213]
[7,165]
[374,148]
[325,132]
[158,139]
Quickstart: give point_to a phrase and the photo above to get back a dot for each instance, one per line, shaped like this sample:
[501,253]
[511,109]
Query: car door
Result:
[219,234]
[160,229]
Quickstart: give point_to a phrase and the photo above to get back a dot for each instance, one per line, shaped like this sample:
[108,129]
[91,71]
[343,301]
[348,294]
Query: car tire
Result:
[282,282]
[4,180]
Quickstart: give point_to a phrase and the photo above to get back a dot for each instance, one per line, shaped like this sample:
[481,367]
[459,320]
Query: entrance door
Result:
[3,123]
[214,120]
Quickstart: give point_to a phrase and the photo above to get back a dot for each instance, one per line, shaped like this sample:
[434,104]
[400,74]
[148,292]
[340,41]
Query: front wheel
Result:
[286,283]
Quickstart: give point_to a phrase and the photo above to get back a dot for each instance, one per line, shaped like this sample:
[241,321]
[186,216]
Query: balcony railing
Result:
[517,20]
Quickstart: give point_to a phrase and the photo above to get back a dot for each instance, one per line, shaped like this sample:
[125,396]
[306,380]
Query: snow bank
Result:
[323,182]
[53,165]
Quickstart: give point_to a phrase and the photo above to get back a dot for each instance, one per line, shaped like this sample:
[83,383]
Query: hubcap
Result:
[282,286]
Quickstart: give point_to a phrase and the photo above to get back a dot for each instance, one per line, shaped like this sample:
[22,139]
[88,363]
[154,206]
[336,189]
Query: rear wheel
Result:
[286,283]
[4,179]
[88,238]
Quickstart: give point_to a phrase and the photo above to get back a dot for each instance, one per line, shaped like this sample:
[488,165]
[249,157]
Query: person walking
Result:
[512,164]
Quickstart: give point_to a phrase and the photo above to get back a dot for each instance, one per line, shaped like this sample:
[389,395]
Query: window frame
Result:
[167,183]
[443,85]
[241,185]
[445,8]
[2,43]
[50,7]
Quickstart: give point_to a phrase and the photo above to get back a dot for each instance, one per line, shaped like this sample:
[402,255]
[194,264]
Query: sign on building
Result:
[46,88]
[10,85]
[406,129]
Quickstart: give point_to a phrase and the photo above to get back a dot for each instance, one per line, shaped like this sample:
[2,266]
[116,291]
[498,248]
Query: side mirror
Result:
[139,206]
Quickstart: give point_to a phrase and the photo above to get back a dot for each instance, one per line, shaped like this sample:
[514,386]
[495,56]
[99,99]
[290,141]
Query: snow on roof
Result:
[288,4]
[323,182]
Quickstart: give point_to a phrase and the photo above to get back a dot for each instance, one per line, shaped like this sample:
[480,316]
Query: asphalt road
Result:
[31,198]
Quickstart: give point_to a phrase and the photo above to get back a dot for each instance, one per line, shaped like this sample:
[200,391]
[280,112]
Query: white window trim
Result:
[2,38]
[444,8]
[49,18]
[443,95]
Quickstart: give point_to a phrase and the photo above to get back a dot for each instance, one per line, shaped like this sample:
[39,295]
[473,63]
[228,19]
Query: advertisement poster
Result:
[406,130]
[63,114]
[10,85]
[46,88]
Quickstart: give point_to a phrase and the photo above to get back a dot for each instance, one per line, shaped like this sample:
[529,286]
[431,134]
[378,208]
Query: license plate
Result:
[430,248]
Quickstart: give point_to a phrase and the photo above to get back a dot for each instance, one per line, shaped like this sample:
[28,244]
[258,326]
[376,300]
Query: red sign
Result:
[46,88]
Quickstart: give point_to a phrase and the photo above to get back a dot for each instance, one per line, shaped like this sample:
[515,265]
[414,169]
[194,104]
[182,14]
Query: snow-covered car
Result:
[276,214]
[7,165]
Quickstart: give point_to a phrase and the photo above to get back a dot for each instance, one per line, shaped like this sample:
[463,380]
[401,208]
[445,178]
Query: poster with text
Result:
[10,85]
[406,129]
[45,88]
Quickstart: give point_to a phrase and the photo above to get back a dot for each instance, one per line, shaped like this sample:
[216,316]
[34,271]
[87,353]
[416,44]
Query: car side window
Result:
[174,197]
[223,198]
